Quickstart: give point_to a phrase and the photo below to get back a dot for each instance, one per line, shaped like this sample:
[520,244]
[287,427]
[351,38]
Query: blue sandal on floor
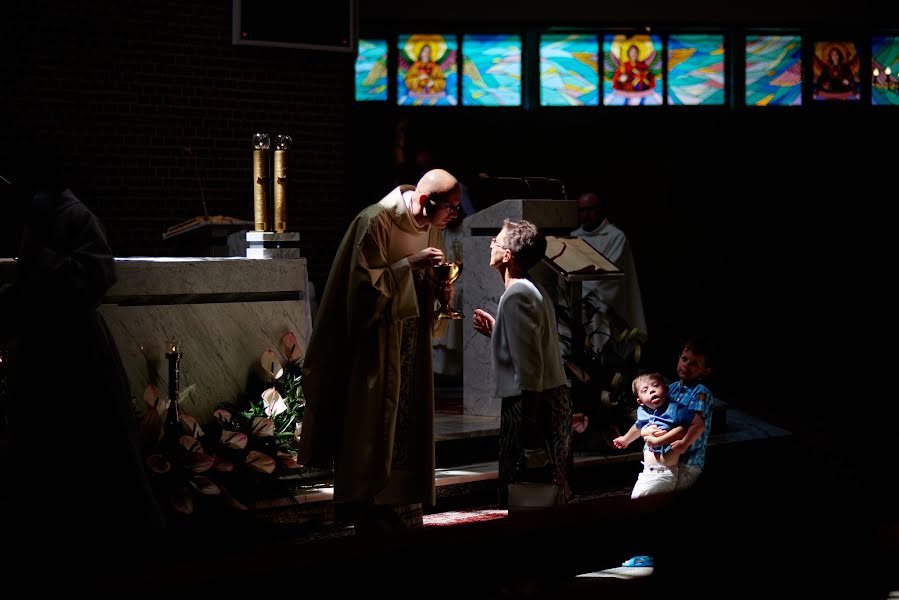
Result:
[638,561]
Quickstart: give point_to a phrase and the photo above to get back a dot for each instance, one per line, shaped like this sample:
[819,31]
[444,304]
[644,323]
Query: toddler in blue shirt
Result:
[660,422]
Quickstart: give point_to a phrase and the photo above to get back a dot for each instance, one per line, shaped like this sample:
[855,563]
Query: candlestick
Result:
[173,416]
[3,371]
[261,144]
[282,145]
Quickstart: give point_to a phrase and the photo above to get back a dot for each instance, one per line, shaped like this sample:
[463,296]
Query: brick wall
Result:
[150,107]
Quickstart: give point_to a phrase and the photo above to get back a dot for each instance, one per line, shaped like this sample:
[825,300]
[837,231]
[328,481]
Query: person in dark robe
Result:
[75,466]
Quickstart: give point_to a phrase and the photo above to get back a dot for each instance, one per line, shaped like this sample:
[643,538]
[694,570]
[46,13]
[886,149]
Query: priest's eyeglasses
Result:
[452,208]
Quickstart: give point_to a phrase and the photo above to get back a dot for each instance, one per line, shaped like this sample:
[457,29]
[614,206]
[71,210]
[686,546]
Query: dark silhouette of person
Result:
[75,463]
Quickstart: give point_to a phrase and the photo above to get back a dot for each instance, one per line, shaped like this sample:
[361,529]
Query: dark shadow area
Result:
[753,536]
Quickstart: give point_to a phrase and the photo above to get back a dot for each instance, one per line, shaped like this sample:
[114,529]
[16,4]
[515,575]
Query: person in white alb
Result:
[622,295]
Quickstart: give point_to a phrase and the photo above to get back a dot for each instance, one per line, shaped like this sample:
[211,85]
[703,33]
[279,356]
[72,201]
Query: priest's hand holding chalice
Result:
[444,274]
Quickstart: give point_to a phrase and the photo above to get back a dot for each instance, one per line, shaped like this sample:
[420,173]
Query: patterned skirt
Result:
[553,421]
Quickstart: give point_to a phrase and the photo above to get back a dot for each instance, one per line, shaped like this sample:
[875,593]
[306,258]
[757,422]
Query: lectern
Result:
[567,271]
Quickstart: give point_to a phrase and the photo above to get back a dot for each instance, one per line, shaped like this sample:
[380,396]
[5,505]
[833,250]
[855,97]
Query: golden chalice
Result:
[445,274]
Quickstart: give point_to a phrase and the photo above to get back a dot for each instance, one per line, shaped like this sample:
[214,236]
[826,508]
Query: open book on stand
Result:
[198,222]
[574,256]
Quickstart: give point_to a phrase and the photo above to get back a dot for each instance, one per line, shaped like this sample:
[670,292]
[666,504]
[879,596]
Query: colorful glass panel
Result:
[884,70]
[426,70]
[491,70]
[696,69]
[569,70]
[371,70]
[836,67]
[774,70]
[632,70]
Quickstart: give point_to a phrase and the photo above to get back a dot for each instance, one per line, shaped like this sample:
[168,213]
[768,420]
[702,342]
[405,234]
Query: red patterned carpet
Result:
[459,517]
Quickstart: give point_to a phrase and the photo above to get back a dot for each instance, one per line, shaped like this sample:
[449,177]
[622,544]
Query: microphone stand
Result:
[527,182]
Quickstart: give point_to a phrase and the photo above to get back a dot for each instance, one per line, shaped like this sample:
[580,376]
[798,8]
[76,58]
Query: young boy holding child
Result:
[687,396]
[694,363]
[695,399]
[661,422]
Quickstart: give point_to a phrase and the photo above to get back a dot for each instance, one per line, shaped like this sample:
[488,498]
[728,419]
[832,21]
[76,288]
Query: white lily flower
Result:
[260,462]
[191,426]
[222,465]
[198,462]
[222,416]
[159,464]
[204,485]
[186,393]
[263,427]
[285,459]
[271,366]
[233,502]
[291,347]
[616,380]
[153,398]
[234,439]
[606,398]
[274,403]
[190,443]
[182,500]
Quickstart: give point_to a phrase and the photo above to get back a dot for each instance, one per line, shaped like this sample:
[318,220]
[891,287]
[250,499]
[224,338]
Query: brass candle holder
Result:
[282,145]
[261,145]
[444,275]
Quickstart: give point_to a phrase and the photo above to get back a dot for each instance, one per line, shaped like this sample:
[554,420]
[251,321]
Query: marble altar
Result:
[223,312]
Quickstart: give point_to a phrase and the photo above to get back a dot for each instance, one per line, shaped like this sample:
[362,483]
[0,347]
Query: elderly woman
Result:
[527,362]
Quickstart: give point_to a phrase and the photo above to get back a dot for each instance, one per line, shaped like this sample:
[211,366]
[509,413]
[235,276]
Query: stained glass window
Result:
[836,68]
[569,70]
[491,72]
[632,70]
[774,70]
[696,69]
[426,70]
[884,70]
[371,70]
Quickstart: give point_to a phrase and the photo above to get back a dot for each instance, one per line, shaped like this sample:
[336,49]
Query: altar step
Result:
[449,561]
[473,483]
[464,439]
